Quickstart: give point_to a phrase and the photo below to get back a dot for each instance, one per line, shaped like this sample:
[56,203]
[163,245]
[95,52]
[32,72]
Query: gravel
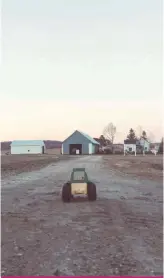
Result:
[119,234]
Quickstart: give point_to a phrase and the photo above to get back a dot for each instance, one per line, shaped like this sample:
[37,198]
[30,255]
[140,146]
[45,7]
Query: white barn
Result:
[27,147]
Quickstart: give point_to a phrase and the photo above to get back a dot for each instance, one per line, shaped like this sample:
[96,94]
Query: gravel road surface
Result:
[119,234]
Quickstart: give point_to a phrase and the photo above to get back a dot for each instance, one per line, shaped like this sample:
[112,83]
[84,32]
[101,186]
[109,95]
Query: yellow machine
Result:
[79,185]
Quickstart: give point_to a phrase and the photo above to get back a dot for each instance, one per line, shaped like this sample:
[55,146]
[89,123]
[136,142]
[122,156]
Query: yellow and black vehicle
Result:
[79,184]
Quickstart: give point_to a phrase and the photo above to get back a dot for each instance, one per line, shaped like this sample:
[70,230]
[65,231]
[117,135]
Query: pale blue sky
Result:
[55,51]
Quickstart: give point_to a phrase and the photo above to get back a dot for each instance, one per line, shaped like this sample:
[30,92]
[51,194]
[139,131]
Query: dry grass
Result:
[149,166]
[16,164]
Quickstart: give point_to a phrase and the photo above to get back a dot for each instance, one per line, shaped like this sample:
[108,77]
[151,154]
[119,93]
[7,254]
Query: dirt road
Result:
[119,234]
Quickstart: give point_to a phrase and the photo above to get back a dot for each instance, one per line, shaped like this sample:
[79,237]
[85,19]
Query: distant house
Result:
[135,145]
[27,147]
[97,140]
[118,148]
[102,141]
[130,145]
[113,148]
[145,144]
[106,149]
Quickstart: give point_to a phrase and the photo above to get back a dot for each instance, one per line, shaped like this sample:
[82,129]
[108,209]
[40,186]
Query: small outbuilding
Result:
[80,143]
[27,147]
[130,146]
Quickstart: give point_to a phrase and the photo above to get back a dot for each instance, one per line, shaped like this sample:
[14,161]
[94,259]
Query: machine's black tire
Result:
[91,188]
[66,193]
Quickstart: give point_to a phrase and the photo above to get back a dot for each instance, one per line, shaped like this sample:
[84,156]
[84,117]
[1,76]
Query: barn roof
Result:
[89,138]
[85,135]
[27,143]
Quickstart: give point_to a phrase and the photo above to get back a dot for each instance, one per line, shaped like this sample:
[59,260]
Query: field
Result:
[149,166]
[119,234]
[16,164]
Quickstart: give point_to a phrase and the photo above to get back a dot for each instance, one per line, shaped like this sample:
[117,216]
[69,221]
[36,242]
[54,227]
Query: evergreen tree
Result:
[144,135]
[131,135]
[102,140]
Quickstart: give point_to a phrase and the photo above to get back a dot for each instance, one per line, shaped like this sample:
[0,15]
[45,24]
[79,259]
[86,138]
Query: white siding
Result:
[90,148]
[26,149]
[130,147]
[145,144]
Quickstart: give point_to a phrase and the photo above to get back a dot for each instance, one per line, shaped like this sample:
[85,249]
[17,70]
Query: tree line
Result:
[109,133]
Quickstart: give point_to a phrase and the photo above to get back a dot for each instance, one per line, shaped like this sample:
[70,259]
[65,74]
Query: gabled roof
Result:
[86,136]
[131,141]
[27,143]
[144,139]
[89,138]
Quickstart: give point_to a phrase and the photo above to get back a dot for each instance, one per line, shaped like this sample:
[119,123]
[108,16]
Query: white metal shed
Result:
[27,147]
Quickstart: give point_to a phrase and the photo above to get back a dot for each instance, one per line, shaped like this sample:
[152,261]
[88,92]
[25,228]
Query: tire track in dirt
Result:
[112,236]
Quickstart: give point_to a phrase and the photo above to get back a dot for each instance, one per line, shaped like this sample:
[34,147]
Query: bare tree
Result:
[150,137]
[110,132]
[139,131]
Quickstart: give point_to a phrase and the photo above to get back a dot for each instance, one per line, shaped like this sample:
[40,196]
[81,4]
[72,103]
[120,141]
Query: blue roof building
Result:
[80,141]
